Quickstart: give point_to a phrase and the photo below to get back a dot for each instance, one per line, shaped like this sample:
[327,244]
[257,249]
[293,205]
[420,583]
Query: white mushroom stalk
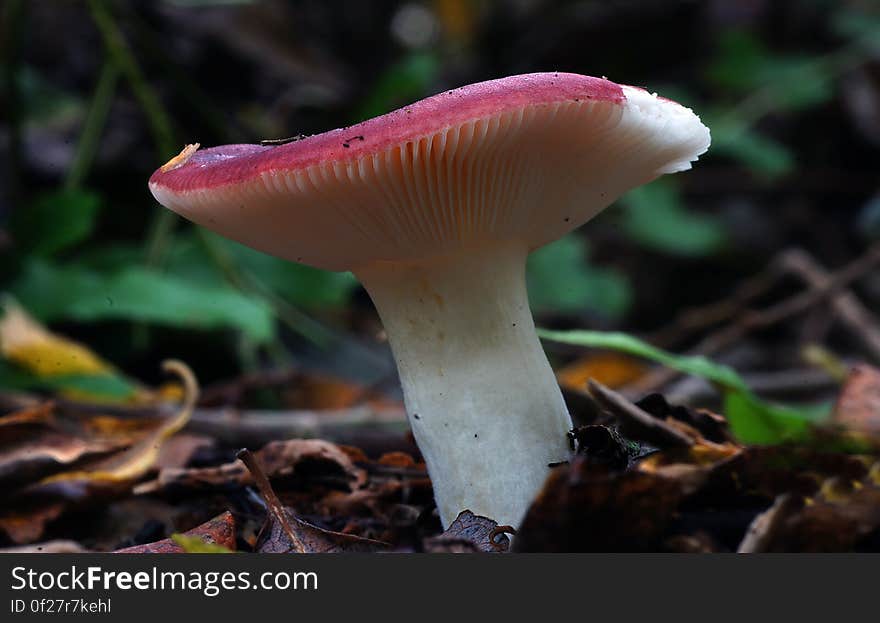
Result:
[435,207]
[482,400]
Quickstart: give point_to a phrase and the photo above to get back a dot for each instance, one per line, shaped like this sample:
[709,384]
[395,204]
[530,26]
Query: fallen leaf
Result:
[610,369]
[589,506]
[61,363]
[471,533]
[583,508]
[219,532]
[313,540]
[27,522]
[136,461]
[278,458]
[289,533]
[858,407]
[197,545]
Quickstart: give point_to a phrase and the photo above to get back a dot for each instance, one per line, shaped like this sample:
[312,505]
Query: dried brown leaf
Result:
[219,531]
[858,407]
[471,533]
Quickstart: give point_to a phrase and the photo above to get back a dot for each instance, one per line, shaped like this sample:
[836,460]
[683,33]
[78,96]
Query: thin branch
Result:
[748,321]
[93,126]
[646,426]
[273,503]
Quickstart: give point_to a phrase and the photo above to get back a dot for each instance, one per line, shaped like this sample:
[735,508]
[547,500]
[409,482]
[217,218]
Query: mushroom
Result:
[435,207]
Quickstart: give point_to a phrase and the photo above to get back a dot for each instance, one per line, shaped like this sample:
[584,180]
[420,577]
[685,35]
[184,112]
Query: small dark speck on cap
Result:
[475,435]
[417,416]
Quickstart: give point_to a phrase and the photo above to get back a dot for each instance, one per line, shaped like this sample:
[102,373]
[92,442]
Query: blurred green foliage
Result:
[752,420]
[183,278]
[561,279]
[657,218]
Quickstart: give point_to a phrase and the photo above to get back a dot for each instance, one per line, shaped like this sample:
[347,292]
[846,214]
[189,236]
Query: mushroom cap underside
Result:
[524,158]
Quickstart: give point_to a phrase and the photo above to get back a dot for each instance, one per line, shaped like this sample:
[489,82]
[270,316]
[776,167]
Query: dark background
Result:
[96,95]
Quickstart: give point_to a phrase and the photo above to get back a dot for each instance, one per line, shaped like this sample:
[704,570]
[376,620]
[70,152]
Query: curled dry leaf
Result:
[136,461]
[219,531]
[471,533]
[108,453]
[37,441]
[278,459]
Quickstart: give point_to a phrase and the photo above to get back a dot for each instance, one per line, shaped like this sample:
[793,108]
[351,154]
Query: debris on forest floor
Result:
[651,477]
[336,471]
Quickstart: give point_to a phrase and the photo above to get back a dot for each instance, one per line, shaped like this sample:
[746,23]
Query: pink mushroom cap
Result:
[526,157]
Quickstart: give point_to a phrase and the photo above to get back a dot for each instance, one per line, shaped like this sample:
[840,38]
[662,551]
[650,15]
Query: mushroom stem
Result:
[482,400]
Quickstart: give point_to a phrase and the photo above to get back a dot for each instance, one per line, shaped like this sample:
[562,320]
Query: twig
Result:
[96,118]
[159,121]
[120,54]
[753,320]
[648,428]
[272,501]
[363,425]
[785,383]
[296,320]
[847,306]
[231,392]
[354,425]
[696,319]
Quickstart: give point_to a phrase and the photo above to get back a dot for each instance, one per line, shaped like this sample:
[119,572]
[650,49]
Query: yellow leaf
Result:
[140,458]
[27,343]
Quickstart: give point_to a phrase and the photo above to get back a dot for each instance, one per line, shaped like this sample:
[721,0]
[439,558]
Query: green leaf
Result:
[303,286]
[655,217]
[561,279]
[55,221]
[761,154]
[404,82]
[860,25]
[198,545]
[739,58]
[74,292]
[99,386]
[44,104]
[792,82]
[752,420]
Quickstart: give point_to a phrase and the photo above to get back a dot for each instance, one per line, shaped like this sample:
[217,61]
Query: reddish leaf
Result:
[858,407]
[471,533]
[219,531]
